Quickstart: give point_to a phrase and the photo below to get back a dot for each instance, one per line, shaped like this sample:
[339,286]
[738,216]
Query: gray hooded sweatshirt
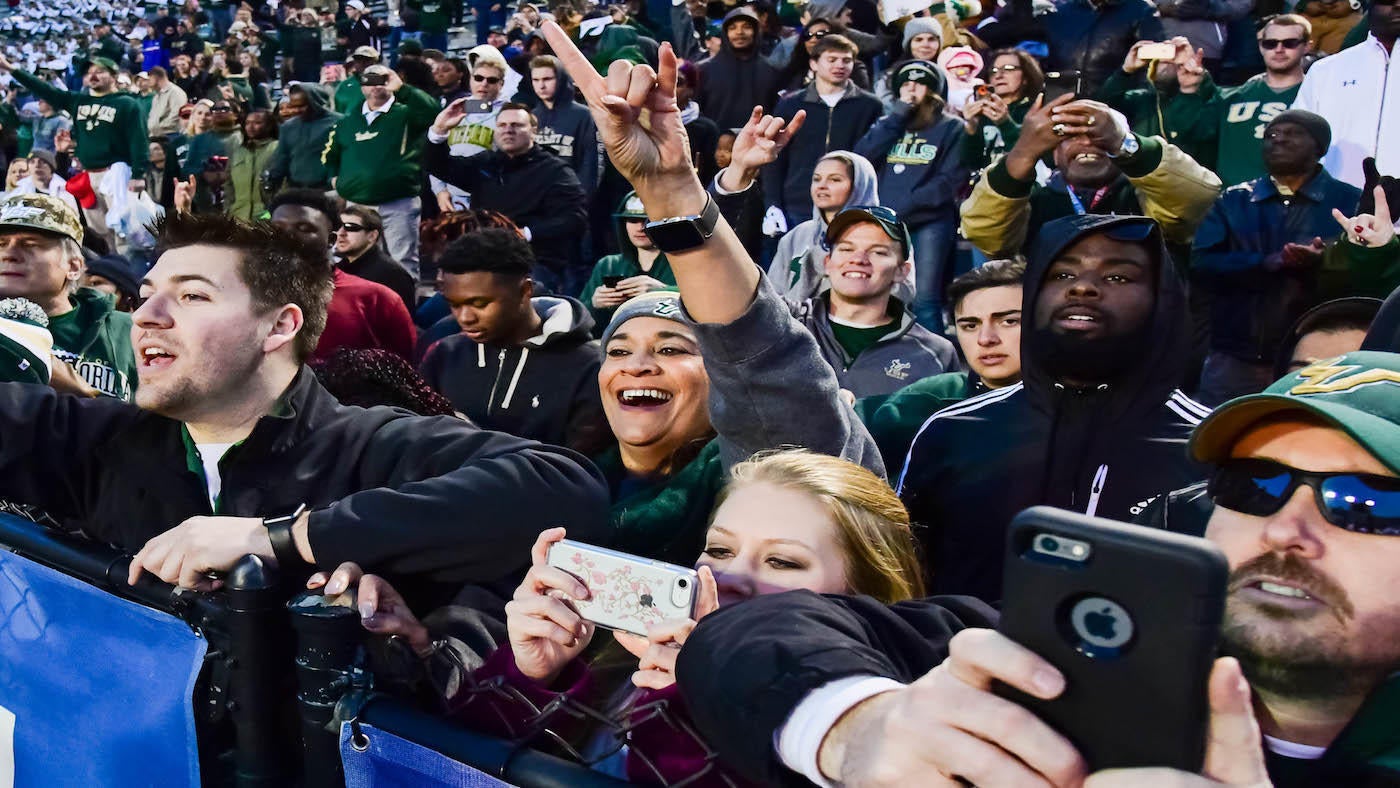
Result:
[797,271]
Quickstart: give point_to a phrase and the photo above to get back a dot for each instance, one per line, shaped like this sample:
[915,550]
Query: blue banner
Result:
[382,760]
[94,690]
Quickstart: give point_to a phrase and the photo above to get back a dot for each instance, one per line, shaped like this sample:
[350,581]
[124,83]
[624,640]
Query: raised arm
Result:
[753,348]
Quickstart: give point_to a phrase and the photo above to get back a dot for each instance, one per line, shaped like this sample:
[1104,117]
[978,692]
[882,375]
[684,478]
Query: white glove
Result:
[774,222]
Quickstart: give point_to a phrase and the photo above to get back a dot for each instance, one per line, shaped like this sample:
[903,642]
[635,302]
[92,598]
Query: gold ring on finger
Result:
[1092,118]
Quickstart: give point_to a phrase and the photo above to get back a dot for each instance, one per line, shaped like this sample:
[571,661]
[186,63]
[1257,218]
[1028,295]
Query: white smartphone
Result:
[1163,51]
[626,592]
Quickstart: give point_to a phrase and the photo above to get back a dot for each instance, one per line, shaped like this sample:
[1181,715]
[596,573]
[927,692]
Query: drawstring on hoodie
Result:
[514,379]
[1096,489]
[481,356]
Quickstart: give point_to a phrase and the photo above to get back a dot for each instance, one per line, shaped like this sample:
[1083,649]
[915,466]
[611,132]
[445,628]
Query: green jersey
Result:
[1244,113]
[107,129]
[96,339]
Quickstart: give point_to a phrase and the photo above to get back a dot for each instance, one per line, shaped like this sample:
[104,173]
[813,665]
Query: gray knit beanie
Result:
[665,304]
[921,24]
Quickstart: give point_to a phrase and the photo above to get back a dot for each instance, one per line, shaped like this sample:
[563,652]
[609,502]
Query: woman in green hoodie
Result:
[638,268]
[244,189]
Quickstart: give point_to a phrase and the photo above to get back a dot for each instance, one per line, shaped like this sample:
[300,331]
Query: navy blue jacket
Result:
[787,182]
[1253,302]
[920,171]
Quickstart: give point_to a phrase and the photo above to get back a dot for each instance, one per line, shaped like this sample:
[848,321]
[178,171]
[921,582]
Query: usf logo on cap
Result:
[1329,377]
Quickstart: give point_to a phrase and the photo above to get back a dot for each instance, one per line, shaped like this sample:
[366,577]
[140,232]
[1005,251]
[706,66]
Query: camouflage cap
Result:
[40,212]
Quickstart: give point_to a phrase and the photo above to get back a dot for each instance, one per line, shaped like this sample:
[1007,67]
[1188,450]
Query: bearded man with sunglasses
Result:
[1355,91]
[1306,485]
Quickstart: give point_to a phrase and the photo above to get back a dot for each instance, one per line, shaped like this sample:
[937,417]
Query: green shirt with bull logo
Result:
[106,129]
[96,340]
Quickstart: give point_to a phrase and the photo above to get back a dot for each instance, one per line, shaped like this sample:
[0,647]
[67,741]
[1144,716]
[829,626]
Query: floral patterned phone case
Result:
[626,592]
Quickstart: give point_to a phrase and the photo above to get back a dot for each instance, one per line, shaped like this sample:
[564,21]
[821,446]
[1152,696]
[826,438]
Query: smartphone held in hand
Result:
[626,592]
[1162,51]
[1131,617]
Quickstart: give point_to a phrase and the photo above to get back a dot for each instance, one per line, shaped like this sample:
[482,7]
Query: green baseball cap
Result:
[886,218]
[631,207]
[40,212]
[106,64]
[1358,393]
[26,346]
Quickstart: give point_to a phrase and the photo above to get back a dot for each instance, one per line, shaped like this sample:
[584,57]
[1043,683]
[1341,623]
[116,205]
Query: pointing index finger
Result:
[575,64]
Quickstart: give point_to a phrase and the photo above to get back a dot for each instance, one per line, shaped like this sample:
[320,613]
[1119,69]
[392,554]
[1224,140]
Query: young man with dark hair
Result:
[839,113]
[737,77]
[358,253]
[477,131]
[986,316]
[1330,329]
[522,364]
[232,428]
[532,187]
[362,314]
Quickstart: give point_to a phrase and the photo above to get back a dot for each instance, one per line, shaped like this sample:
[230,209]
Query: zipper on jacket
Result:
[1380,118]
[1096,489]
[500,365]
[514,379]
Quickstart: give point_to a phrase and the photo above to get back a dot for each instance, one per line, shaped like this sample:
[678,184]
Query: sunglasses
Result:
[819,34]
[351,227]
[221,109]
[1286,43]
[486,79]
[1363,503]
[1008,68]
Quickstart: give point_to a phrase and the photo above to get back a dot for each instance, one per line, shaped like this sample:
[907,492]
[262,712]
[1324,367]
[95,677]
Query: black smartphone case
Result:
[1143,703]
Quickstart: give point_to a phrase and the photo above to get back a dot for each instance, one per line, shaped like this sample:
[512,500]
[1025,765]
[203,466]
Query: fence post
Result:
[329,639]
[259,654]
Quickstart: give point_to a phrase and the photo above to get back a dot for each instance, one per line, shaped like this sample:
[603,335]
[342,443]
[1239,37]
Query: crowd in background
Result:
[981,258]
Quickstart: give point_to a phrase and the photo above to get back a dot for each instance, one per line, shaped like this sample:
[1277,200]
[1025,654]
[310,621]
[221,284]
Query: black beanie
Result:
[924,73]
[1315,125]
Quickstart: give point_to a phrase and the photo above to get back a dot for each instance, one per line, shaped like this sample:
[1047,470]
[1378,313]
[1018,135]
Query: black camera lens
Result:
[1049,545]
[683,583]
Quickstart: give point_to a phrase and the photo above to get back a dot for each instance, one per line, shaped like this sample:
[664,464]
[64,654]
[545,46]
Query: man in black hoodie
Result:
[523,365]
[531,186]
[564,126]
[1096,425]
[738,78]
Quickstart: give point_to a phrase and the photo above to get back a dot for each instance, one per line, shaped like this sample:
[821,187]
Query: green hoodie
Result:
[667,519]
[624,264]
[102,125]
[96,339]
[382,162]
[348,94]
[894,420]
[301,142]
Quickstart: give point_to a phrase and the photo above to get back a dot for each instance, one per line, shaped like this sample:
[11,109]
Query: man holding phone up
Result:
[1306,486]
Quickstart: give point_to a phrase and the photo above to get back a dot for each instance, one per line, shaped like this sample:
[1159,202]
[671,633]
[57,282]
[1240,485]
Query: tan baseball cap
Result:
[40,212]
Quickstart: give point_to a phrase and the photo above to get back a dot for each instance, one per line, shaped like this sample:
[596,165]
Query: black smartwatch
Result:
[679,233]
[284,547]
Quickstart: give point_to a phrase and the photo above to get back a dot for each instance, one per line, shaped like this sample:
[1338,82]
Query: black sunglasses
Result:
[486,79]
[351,227]
[1286,43]
[1364,503]
[819,34]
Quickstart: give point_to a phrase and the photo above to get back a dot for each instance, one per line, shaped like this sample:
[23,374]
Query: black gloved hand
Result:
[1374,178]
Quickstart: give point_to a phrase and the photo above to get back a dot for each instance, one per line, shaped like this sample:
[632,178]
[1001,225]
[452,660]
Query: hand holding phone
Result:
[1130,617]
[625,592]
[1157,51]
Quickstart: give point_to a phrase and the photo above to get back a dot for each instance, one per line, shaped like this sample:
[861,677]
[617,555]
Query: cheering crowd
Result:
[738,287]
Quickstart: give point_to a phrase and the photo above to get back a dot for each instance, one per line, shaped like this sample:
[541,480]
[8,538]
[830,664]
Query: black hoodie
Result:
[545,389]
[1107,451]
[567,131]
[731,83]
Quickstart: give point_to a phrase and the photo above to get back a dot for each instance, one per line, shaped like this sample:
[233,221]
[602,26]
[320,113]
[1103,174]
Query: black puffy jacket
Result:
[1092,38]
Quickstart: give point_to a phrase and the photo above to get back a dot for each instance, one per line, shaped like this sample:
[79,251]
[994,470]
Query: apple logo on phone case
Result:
[1101,626]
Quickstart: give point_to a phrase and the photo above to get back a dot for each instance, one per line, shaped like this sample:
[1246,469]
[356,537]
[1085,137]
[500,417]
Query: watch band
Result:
[681,233]
[284,547]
